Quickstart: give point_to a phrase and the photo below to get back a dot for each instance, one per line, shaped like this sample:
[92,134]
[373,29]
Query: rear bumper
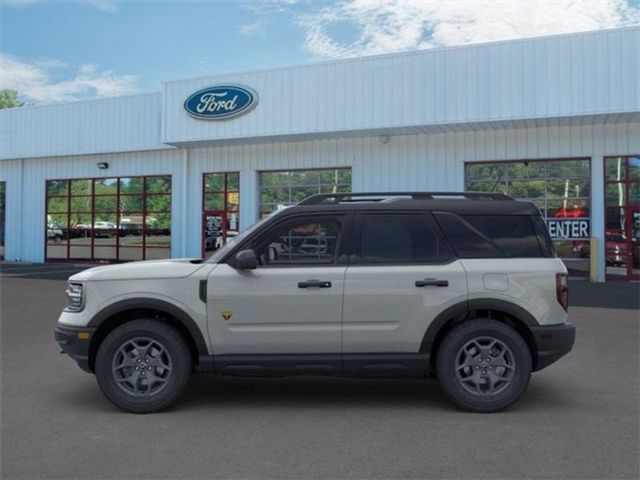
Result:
[74,345]
[553,342]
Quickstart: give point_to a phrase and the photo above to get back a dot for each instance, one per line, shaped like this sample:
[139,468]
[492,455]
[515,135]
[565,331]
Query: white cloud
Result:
[252,29]
[380,26]
[36,83]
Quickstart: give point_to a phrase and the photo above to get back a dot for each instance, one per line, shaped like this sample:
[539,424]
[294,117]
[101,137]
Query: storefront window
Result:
[220,209]
[622,217]
[109,219]
[2,215]
[561,189]
[282,188]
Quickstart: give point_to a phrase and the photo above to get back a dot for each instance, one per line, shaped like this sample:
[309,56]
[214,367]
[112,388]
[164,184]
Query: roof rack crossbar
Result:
[379,196]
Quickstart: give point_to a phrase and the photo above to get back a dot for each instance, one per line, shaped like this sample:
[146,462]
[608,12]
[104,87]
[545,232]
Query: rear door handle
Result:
[314,284]
[432,282]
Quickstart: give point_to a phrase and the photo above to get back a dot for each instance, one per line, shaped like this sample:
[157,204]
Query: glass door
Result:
[220,209]
[214,231]
[622,217]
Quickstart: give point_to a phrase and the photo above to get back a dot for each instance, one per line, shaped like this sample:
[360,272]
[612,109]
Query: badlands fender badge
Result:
[226,314]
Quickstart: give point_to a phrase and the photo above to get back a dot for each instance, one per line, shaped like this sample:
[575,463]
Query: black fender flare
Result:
[463,308]
[154,304]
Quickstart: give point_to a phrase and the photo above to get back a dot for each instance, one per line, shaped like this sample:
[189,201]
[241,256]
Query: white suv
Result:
[464,287]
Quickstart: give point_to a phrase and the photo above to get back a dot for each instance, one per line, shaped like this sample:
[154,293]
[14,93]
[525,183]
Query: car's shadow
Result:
[346,392]
[207,392]
[312,392]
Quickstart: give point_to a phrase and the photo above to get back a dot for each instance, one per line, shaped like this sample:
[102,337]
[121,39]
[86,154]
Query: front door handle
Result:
[314,284]
[432,282]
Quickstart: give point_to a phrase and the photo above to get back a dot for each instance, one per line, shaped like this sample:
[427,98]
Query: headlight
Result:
[75,298]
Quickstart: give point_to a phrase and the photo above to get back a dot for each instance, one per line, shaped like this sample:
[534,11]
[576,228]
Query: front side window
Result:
[283,188]
[401,238]
[301,242]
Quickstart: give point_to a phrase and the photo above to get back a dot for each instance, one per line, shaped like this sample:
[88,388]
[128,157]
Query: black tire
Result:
[158,337]
[452,350]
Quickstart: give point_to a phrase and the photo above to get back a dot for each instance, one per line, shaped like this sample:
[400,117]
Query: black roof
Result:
[458,202]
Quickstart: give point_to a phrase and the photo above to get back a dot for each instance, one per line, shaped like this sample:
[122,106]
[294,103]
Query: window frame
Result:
[145,248]
[289,185]
[226,209]
[560,245]
[546,178]
[627,182]
[356,258]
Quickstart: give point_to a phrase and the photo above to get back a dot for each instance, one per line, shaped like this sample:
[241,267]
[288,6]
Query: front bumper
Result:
[553,342]
[75,342]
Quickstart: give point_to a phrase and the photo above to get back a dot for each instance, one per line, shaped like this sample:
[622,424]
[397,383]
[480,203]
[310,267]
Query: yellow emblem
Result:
[226,314]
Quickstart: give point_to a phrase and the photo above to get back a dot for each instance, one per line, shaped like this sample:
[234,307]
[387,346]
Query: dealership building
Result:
[552,120]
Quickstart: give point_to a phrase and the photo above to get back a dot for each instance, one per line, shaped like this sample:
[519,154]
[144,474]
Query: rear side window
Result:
[467,241]
[514,234]
[401,238]
[482,236]
[544,238]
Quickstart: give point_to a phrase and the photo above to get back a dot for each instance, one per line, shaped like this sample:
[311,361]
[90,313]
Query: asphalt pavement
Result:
[578,419]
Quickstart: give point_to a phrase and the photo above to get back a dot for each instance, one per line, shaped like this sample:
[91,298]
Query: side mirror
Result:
[246,260]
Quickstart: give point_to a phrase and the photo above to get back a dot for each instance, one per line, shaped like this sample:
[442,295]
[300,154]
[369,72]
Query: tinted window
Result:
[401,238]
[301,242]
[514,234]
[482,236]
[543,236]
[467,241]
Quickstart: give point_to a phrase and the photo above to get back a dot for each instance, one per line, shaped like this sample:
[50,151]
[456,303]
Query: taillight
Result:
[562,290]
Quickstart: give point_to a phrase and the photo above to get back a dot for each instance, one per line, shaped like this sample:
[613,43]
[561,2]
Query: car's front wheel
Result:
[483,365]
[143,366]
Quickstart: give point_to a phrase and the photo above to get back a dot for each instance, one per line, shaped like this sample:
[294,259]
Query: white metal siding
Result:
[26,206]
[97,126]
[561,76]
[409,162]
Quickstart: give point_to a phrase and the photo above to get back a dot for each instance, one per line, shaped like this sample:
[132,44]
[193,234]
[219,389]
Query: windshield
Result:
[231,242]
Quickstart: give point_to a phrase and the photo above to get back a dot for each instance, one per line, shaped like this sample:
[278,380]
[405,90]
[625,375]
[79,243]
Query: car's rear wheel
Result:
[143,366]
[483,365]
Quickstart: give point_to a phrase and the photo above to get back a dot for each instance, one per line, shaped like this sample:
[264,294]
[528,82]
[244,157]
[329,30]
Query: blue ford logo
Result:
[221,102]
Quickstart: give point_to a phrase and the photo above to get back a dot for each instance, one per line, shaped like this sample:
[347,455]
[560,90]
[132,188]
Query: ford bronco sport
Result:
[461,286]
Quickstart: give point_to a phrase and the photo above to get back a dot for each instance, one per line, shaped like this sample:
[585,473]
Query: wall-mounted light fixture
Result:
[103,165]
[384,138]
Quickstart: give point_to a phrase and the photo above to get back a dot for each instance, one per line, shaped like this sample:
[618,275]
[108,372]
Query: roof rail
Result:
[386,196]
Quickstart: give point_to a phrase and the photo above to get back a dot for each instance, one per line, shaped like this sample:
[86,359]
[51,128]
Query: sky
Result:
[58,51]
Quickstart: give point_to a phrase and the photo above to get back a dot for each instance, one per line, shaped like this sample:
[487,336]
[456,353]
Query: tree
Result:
[9,99]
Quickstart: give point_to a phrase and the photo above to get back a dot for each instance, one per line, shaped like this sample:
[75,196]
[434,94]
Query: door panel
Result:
[384,310]
[270,313]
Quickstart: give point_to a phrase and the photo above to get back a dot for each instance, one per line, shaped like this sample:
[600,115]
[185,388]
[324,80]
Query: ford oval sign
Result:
[221,102]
